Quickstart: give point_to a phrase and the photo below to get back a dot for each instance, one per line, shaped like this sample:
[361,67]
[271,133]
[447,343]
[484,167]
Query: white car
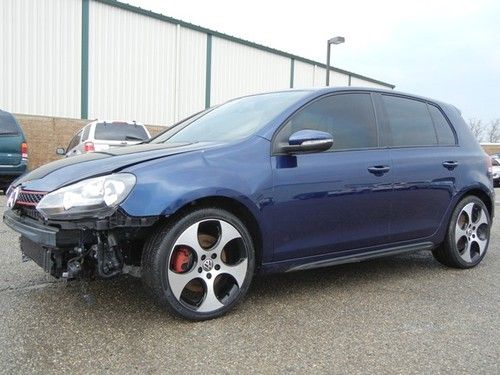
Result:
[496,171]
[101,135]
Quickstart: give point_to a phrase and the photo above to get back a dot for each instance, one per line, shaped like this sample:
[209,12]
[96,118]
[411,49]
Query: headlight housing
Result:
[94,197]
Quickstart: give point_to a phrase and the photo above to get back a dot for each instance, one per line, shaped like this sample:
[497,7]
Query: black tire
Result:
[157,259]
[469,249]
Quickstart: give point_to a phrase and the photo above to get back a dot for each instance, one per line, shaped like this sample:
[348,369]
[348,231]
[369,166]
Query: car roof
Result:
[116,121]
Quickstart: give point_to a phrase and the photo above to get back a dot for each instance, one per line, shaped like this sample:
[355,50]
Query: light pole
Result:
[336,40]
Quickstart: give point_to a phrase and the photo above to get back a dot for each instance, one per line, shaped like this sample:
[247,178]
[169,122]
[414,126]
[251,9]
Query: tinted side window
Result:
[86,131]
[348,117]
[444,133]
[409,121]
[74,142]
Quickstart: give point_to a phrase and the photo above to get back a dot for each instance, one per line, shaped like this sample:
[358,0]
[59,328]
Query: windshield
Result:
[231,121]
[8,125]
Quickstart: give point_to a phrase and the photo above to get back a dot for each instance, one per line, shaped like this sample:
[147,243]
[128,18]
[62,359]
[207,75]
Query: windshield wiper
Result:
[133,138]
[8,133]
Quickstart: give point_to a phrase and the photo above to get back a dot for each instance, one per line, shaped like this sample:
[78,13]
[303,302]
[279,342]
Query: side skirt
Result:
[306,264]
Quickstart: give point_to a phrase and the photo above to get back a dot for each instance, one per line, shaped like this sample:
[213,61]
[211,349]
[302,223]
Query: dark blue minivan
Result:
[275,182]
[13,150]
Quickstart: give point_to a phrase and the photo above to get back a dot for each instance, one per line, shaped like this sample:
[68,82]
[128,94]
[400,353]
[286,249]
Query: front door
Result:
[338,199]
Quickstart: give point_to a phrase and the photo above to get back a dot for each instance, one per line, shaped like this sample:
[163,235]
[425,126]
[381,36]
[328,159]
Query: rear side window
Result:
[8,125]
[495,162]
[444,133]
[349,118]
[120,131]
[86,131]
[410,122]
[75,141]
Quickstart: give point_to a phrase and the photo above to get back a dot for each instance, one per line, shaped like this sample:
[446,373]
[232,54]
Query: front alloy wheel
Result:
[201,265]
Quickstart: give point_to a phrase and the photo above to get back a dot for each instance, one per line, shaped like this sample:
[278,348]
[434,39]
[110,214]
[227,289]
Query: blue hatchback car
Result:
[275,182]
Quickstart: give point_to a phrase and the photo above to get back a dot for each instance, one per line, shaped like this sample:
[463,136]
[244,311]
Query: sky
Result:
[446,50]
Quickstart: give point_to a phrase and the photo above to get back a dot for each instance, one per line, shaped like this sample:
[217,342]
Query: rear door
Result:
[335,200]
[424,158]
[11,139]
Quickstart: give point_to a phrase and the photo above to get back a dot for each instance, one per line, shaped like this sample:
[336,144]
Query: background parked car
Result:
[102,135]
[496,171]
[13,150]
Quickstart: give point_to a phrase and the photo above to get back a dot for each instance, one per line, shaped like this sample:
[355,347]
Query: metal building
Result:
[106,59]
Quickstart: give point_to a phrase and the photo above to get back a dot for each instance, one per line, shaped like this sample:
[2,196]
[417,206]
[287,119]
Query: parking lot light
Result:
[334,40]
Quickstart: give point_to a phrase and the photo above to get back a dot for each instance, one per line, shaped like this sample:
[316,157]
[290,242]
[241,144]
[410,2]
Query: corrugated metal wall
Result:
[239,70]
[131,66]
[40,61]
[141,66]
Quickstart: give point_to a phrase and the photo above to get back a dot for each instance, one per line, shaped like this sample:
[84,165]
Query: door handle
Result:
[450,164]
[379,170]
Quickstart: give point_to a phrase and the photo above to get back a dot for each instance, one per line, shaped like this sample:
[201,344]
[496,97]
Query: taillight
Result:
[24,150]
[89,147]
[489,165]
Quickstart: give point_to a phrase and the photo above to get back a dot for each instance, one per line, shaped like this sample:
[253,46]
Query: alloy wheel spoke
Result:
[459,233]
[238,271]
[228,233]
[468,210]
[210,301]
[178,281]
[190,238]
[482,245]
[482,219]
[466,253]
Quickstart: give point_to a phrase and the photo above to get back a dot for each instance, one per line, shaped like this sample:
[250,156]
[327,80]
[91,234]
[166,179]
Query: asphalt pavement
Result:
[400,315]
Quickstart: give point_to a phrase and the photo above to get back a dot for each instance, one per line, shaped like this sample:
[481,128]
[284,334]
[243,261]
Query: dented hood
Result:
[66,171]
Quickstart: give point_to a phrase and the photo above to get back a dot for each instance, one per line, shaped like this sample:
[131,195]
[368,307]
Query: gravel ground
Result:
[405,314]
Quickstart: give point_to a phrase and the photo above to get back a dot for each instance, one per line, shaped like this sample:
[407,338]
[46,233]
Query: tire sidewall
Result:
[166,247]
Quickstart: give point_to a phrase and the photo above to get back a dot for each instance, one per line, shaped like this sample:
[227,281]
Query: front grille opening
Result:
[29,198]
[26,203]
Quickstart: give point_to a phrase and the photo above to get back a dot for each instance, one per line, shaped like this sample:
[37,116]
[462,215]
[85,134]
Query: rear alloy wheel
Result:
[201,265]
[468,235]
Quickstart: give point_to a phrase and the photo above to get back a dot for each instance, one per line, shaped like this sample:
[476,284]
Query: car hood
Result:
[69,170]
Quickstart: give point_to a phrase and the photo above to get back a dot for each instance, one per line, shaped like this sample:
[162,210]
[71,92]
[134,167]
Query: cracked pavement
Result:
[405,314]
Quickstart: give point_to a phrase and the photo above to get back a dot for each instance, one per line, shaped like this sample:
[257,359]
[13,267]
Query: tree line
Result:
[489,132]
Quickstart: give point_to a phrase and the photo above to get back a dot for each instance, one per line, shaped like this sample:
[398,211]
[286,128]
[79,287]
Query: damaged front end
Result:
[80,248]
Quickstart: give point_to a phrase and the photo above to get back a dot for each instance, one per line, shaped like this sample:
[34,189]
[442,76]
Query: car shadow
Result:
[126,298]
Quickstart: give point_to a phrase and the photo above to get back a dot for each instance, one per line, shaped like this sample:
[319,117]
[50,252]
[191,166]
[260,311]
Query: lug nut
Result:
[217,267]
[214,256]
[209,275]
[200,269]
[203,257]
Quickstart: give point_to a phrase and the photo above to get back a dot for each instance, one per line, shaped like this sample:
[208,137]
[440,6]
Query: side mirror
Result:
[60,151]
[308,141]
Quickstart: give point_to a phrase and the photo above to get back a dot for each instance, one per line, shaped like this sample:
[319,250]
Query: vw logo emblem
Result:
[207,265]
[12,198]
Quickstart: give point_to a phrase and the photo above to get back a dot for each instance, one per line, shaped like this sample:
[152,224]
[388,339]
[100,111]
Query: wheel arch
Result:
[481,194]
[235,207]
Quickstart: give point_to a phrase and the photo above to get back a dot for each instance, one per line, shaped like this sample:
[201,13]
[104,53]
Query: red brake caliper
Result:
[181,260]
